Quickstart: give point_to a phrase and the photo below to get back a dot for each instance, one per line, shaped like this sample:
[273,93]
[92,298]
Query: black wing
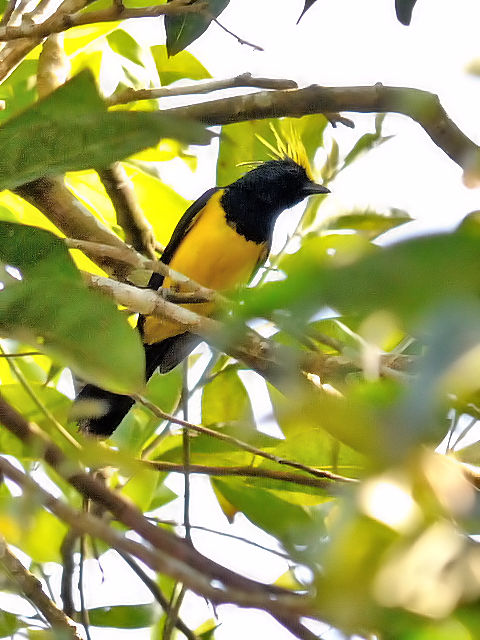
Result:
[183,227]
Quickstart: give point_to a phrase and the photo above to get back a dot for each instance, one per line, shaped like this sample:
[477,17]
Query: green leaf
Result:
[53,400]
[36,253]
[367,142]
[292,524]
[183,65]
[128,616]
[81,328]
[9,624]
[369,223]
[19,89]
[51,309]
[184,29]
[443,267]
[163,390]
[239,142]
[225,399]
[41,141]
[125,45]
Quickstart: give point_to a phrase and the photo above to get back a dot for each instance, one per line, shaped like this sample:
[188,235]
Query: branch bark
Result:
[62,21]
[52,198]
[243,80]
[138,230]
[422,106]
[32,588]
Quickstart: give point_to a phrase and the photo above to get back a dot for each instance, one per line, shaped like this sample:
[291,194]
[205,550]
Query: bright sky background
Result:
[338,42]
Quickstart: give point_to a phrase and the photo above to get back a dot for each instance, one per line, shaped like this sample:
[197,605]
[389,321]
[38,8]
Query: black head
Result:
[254,201]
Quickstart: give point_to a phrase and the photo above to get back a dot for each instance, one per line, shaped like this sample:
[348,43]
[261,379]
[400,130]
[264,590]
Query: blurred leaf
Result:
[139,425]
[473,67]
[125,45]
[206,630]
[88,188]
[53,400]
[403,9]
[291,524]
[225,399]
[9,624]
[147,490]
[86,36]
[41,141]
[35,527]
[184,29]
[443,267]
[182,65]
[127,616]
[469,453]
[369,223]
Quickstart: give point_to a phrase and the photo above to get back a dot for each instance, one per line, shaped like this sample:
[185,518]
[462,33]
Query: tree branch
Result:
[422,106]
[32,588]
[131,258]
[157,593]
[13,52]
[243,80]
[63,21]
[322,482]
[52,198]
[138,230]
[273,361]
[165,552]
[219,435]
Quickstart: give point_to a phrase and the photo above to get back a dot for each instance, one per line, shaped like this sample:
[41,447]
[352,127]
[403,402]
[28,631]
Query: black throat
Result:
[250,212]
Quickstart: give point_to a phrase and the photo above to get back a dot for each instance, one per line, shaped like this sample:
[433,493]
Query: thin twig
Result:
[157,593]
[256,47]
[186,454]
[68,567]
[207,86]
[318,473]
[247,472]
[39,404]
[22,354]
[173,612]
[81,585]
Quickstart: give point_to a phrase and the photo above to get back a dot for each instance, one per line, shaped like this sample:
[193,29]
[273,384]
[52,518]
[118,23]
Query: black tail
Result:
[109,408]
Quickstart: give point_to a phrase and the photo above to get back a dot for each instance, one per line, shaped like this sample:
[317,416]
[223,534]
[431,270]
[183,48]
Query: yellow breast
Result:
[213,254]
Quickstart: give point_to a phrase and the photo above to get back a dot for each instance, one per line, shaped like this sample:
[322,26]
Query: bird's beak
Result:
[313,188]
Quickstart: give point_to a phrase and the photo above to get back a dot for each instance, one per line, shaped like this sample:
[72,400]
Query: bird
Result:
[219,242]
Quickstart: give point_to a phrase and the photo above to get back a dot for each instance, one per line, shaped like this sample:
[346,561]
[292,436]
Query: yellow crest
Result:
[288,145]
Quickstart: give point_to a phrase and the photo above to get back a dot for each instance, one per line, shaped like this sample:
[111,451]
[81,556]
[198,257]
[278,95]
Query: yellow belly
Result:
[213,254]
